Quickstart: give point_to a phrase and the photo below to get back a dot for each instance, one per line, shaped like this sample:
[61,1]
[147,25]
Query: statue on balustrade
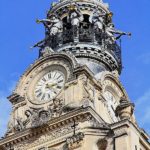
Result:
[75,17]
[97,20]
[53,24]
[103,25]
[111,32]
[54,27]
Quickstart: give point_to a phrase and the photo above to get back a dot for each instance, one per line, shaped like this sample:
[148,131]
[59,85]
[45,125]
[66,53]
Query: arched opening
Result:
[85,30]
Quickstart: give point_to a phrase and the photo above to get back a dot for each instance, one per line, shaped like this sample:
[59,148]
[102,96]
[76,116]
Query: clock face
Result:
[49,85]
[112,104]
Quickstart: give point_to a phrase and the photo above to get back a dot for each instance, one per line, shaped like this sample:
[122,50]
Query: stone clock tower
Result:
[71,97]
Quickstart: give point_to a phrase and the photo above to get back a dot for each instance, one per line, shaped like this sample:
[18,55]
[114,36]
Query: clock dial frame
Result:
[47,84]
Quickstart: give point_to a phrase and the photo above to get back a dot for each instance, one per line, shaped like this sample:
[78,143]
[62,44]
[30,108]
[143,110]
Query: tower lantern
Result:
[71,97]
[85,29]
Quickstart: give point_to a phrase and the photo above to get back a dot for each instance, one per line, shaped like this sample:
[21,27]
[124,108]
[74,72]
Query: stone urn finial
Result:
[125,109]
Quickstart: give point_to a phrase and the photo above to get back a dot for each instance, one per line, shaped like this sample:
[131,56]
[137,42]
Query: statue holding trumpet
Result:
[111,32]
[54,27]
[97,20]
[53,24]
[75,16]
[102,23]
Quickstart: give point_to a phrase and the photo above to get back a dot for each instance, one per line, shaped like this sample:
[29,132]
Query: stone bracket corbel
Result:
[15,98]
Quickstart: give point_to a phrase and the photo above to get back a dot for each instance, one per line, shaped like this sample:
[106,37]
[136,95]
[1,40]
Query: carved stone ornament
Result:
[50,137]
[125,109]
[56,108]
[102,144]
[46,51]
[35,117]
[89,90]
[75,141]
[42,116]
[15,98]
[16,125]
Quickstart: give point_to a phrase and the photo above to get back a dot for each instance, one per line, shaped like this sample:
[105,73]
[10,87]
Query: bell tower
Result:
[71,97]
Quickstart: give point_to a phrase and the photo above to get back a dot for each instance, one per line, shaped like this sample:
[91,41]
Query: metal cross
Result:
[74,127]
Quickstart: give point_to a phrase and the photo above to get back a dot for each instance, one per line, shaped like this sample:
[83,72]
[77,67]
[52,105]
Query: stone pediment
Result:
[85,117]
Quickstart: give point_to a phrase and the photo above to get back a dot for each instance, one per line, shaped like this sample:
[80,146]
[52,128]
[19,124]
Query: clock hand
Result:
[51,85]
[54,90]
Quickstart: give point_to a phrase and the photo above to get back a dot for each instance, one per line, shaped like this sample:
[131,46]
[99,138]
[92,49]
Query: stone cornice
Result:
[88,2]
[77,115]
[95,52]
[144,137]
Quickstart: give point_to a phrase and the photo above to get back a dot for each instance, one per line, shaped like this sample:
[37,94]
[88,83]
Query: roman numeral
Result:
[43,97]
[55,74]
[59,77]
[39,94]
[54,91]
[49,96]
[59,87]
[49,75]
[43,79]
[37,91]
[60,81]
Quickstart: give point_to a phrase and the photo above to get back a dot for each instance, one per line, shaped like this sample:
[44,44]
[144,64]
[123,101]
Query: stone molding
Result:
[95,53]
[61,7]
[78,115]
[121,128]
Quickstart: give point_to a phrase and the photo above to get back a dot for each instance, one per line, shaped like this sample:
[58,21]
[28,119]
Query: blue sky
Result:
[19,31]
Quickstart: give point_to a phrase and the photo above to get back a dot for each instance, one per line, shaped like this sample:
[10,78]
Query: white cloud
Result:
[12,86]
[4,114]
[144,98]
[143,110]
[145,58]
[5,107]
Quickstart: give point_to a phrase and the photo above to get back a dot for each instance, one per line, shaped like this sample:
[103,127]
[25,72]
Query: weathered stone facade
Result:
[71,97]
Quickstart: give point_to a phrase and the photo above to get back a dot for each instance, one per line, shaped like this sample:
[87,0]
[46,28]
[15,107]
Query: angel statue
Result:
[75,17]
[111,32]
[53,24]
[54,27]
[97,20]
